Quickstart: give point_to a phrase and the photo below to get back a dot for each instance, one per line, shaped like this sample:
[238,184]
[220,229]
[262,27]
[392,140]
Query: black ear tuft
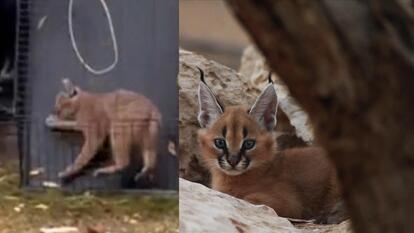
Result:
[209,107]
[201,74]
[269,78]
[68,87]
[74,93]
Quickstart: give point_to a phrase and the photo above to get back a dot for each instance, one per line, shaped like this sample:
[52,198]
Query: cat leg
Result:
[54,122]
[121,145]
[149,162]
[149,152]
[93,141]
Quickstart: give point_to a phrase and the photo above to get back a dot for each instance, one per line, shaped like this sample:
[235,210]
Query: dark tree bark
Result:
[350,63]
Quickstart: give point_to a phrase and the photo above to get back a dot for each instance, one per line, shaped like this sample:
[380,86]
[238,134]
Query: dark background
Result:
[7,55]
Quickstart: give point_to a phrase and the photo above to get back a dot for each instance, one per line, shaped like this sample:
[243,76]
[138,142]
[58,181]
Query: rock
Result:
[255,71]
[206,210]
[229,87]
[343,227]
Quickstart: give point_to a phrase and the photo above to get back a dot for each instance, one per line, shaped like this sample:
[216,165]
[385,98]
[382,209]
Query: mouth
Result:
[233,170]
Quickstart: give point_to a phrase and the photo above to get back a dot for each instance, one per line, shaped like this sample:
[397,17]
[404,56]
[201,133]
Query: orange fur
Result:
[127,118]
[238,147]
[297,183]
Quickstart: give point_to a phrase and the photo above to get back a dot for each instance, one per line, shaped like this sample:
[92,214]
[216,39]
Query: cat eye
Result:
[248,144]
[220,143]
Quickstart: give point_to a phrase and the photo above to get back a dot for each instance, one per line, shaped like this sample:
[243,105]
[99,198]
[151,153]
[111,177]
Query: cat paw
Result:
[64,174]
[139,176]
[98,172]
[67,173]
[144,176]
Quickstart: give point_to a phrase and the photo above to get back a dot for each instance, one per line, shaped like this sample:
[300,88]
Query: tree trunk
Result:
[350,63]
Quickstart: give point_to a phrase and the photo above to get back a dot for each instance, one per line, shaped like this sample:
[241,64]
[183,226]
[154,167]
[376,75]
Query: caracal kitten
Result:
[239,149]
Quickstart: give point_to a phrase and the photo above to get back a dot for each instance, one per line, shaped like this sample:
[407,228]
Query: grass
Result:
[23,211]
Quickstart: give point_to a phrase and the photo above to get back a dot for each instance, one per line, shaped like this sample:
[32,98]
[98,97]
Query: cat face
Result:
[235,142]
[237,139]
[67,101]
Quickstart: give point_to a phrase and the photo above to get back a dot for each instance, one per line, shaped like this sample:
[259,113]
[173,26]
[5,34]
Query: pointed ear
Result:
[265,107]
[68,87]
[210,108]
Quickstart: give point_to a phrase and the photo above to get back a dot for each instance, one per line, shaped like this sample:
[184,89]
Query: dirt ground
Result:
[24,211]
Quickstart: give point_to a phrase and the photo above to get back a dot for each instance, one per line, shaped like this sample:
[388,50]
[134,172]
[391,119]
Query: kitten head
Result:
[236,139]
[67,101]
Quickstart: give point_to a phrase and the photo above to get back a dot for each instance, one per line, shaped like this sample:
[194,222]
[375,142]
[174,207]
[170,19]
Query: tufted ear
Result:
[68,87]
[265,107]
[209,107]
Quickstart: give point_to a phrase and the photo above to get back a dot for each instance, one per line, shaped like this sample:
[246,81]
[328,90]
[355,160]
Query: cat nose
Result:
[233,160]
